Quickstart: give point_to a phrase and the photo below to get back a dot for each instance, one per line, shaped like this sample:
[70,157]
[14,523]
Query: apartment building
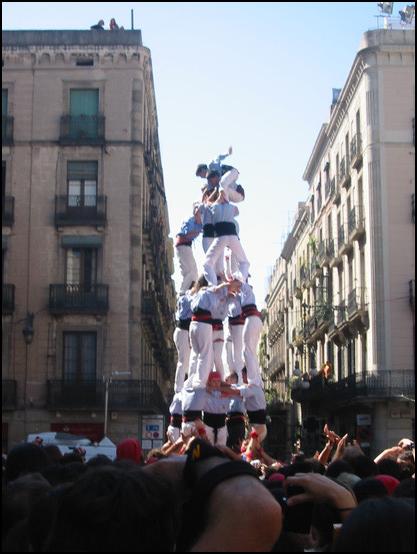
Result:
[349,259]
[88,298]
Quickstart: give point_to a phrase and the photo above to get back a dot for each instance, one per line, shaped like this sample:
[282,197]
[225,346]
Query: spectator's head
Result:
[379,525]
[363,466]
[337,467]
[388,466]
[98,461]
[19,497]
[407,464]
[129,449]
[53,452]
[347,479]
[369,488]
[111,510]
[322,519]
[406,489]
[25,458]
[390,483]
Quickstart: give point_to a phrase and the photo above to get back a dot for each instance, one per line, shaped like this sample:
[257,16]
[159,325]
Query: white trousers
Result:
[188,266]
[229,352]
[216,251]
[201,335]
[182,343]
[173,434]
[218,343]
[228,185]
[219,267]
[236,332]
[251,334]
[221,435]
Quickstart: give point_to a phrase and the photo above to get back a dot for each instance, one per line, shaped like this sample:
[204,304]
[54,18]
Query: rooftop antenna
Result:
[131,19]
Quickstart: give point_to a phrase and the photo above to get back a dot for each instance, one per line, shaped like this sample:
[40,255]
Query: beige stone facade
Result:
[348,263]
[85,235]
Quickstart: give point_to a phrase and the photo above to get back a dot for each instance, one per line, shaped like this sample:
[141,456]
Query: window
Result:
[4,111]
[80,356]
[82,184]
[81,267]
[84,111]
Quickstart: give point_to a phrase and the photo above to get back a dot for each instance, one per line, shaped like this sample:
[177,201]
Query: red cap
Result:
[389,482]
[129,449]
[214,375]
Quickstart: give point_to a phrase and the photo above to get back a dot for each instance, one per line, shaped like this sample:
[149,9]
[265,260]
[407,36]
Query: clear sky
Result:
[257,76]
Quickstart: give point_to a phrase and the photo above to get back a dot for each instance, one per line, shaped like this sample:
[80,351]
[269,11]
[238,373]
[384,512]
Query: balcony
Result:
[78,299]
[82,130]
[329,188]
[8,394]
[315,269]
[304,277]
[139,395]
[7,122]
[356,224]
[80,210]
[356,151]
[370,384]
[8,211]
[135,395]
[342,241]
[325,251]
[344,173]
[7,299]
[357,308]
[152,322]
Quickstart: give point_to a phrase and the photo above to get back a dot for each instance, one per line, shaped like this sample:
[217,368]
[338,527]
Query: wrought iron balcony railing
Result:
[79,299]
[356,151]
[8,211]
[82,129]
[7,301]
[135,395]
[356,224]
[7,122]
[80,210]
[370,384]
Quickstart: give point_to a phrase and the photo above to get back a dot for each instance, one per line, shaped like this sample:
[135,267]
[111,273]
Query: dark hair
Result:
[111,510]
[200,167]
[363,466]
[387,466]
[213,173]
[406,489]
[322,518]
[18,499]
[368,488]
[25,458]
[379,525]
[98,461]
[53,452]
[66,473]
[337,467]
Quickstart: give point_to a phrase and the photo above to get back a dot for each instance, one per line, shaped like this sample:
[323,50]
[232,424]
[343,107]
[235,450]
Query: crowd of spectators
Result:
[200,498]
